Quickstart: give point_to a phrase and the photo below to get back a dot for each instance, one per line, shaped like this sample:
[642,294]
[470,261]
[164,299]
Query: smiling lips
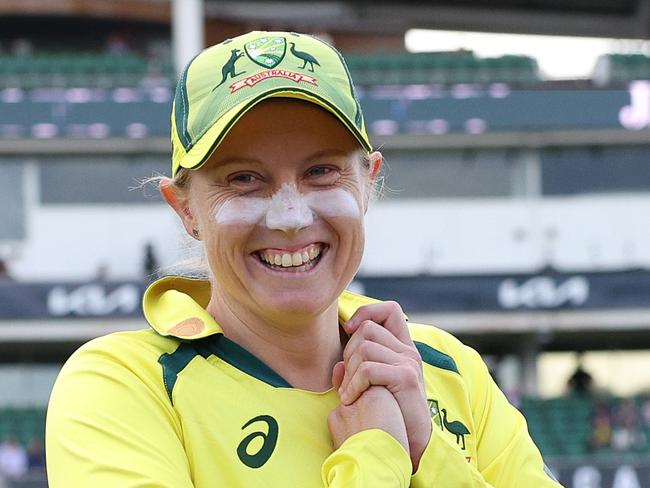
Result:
[277,258]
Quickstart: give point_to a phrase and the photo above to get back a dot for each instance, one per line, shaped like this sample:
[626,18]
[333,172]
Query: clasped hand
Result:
[380,381]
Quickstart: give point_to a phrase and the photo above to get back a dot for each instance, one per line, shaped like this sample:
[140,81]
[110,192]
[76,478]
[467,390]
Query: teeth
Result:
[287,260]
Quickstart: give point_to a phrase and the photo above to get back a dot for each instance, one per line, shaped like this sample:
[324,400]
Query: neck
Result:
[301,349]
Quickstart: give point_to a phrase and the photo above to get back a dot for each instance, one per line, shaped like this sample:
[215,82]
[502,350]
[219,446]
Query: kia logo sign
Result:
[93,300]
[543,292]
[636,115]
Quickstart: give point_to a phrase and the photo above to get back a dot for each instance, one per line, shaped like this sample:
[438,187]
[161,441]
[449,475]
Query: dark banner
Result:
[545,291]
[58,300]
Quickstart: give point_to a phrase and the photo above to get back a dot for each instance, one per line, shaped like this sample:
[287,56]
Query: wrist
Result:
[417,448]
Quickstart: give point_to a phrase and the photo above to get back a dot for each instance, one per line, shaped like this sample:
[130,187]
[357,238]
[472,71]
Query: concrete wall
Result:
[76,242]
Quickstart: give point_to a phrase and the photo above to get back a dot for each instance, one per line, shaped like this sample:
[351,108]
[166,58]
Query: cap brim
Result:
[208,143]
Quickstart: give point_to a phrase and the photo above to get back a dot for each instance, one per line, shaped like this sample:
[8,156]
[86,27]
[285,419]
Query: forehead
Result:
[287,129]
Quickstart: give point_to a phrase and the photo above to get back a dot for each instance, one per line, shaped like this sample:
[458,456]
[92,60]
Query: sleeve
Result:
[369,459]
[110,424]
[506,455]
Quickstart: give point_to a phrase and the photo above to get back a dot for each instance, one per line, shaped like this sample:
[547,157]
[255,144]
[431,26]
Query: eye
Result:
[318,171]
[243,178]
[321,171]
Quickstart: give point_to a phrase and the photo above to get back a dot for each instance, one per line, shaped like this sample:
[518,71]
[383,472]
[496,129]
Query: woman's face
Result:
[280,209]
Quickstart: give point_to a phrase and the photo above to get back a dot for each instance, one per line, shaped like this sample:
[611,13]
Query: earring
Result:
[195,233]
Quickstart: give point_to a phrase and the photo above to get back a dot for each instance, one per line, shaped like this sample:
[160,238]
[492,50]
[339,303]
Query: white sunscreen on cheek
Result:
[242,211]
[288,208]
[333,203]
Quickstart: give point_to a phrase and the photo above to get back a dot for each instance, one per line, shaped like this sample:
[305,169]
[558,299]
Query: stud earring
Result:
[195,233]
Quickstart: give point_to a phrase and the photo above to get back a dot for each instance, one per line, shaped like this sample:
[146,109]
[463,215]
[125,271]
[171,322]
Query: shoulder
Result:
[118,355]
[441,349]
[127,347]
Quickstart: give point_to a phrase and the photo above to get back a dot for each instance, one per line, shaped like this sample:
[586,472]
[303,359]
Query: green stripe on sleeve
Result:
[436,358]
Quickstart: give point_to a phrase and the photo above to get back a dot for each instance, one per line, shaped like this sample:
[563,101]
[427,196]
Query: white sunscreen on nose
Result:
[288,208]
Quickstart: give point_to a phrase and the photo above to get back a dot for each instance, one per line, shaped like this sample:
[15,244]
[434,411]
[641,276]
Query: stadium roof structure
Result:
[614,18]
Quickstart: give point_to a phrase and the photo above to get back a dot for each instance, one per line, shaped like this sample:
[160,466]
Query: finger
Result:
[369,351]
[371,331]
[338,372]
[387,314]
[361,381]
[395,378]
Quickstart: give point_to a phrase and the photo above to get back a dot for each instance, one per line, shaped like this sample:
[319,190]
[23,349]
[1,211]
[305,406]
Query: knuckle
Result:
[366,328]
[411,378]
[394,307]
[364,370]
[364,349]
[363,310]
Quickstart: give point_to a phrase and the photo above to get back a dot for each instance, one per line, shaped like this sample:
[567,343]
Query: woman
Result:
[270,373]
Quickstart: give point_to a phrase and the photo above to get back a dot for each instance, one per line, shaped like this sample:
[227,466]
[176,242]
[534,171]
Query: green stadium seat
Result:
[73,69]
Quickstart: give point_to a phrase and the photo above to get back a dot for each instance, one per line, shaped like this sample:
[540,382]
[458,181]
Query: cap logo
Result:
[228,69]
[266,51]
[306,58]
[272,73]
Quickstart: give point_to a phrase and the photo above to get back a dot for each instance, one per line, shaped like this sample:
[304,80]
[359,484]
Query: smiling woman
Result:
[270,373]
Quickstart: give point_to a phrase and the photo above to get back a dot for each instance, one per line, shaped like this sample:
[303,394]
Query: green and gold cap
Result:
[224,81]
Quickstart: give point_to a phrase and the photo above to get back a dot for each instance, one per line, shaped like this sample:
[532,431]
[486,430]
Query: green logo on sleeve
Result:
[434,410]
[266,51]
[269,440]
[456,427]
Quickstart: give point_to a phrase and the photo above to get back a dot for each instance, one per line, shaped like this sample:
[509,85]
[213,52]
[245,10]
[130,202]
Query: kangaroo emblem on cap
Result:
[229,67]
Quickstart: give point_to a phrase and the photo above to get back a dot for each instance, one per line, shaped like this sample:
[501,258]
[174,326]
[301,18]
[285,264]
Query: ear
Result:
[376,159]
[180,203]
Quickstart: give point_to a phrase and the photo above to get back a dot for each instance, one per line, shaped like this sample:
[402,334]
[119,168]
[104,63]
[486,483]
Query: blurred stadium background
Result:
[515,213]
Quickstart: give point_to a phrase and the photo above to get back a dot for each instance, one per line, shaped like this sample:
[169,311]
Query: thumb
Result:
[338,372]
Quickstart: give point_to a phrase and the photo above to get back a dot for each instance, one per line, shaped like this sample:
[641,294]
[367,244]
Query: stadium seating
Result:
[563,427]
[616,69]
[443,68]
[25,424]
[71,69]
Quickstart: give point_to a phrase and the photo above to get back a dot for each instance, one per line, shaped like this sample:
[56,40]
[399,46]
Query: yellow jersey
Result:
[179,405]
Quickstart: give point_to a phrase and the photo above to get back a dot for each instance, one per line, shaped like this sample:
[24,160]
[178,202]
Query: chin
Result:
[298,303]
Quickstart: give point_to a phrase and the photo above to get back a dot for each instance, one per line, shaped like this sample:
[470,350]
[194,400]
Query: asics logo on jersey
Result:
[269,440]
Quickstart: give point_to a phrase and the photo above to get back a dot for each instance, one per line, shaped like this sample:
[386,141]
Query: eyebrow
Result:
[220,164]
[324,153]
[328,153]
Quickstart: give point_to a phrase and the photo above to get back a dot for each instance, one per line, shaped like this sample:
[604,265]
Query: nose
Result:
[288,210]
